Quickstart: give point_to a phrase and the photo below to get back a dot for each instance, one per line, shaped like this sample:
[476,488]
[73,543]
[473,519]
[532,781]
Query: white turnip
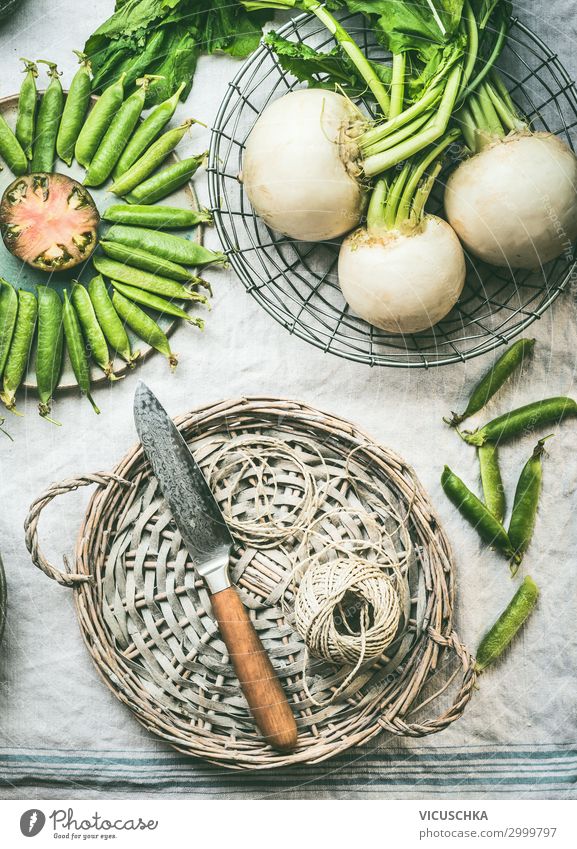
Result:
[406,270]
[299,168]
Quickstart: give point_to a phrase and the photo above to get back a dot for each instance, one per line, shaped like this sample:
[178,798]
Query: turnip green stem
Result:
[487,64]
[376,206]
[341,36]
[395,195]
[472,45]
[381,162]
[422,193]
[492,119]
[400,135]
[404,208]
[398,84]
[380,131]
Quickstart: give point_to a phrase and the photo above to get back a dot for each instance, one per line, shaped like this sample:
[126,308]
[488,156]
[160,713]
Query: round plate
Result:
[23,276]
[296,282]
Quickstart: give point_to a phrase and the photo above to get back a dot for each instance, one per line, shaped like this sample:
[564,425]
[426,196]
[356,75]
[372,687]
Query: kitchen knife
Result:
[205,533]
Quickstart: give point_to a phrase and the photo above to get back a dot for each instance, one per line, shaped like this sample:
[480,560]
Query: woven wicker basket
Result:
[146,617]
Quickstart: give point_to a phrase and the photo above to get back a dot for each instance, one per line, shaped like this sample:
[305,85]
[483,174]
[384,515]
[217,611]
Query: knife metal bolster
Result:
[215,573]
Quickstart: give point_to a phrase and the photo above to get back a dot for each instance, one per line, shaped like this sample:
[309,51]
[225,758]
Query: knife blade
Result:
[206,535]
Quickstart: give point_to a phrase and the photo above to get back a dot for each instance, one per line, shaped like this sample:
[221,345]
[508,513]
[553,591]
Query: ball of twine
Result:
[347,611]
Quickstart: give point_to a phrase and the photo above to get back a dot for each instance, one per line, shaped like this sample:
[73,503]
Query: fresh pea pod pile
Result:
[141,272]
[487,514]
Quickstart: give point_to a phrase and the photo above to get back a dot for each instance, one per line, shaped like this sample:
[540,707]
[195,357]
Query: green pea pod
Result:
[49,348]
[144,326]
[75,110]
[155,302]
[147,132]
[157,217]
[146,262]
[98,122]
[492,381]
[164,245]
[493,489]
[526,501]
[508,624]
[476,513]
[11,151]
[143,279]
[150,160]
[76,349]
[111,325]
[49,116]
[111,147]
[19,356]
[95,339]
[8,314]
[522,420]
[27,103]
[166,181]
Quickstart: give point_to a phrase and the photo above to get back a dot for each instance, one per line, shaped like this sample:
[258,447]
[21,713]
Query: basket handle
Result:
[64,577]
[397,725]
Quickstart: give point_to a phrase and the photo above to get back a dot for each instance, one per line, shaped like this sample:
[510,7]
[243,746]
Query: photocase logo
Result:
[32,822]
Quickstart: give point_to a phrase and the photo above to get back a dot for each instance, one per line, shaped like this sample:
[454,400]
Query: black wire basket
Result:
[296,282]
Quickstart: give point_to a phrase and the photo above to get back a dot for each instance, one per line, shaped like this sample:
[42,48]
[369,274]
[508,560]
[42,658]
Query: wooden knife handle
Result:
[258,680]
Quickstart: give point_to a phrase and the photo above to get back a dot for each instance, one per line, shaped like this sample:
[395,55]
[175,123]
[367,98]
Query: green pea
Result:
[108,319]
[75,110]
[49,348]
[8,314]
[164,245]
[476,513]
[155,302]
[492,381]
[523,420]
[147,262]
[95,339]
[157,217]
[49,116]
[98,122]
[508,624]
[11,151]
[76,349]
[143,279]
[493,489]
[144,326]
[166,181]
[111,147]
[150,160]
[147,132]
[526,501]
[19,356]
[27,103]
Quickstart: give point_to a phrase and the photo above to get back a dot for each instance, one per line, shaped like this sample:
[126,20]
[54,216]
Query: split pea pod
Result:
[491,481]
[150,159]
[121,128]
[144,280]
[8,314]
[157,217]
[155,302]
[476,513]
[508,624]
[146,262]
[11,150]
[164,245]
[109,321]
[98,122]
[526,501]
[27,103]
[144,326]
[148,132]
[49,348]
[166,181]
[75,110]
[76,349]
[492,381]
[48,123]
[523,420]
[19,355]
[93,334]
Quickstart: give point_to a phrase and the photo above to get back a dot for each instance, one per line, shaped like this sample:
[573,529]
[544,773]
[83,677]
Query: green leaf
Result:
[411,25]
